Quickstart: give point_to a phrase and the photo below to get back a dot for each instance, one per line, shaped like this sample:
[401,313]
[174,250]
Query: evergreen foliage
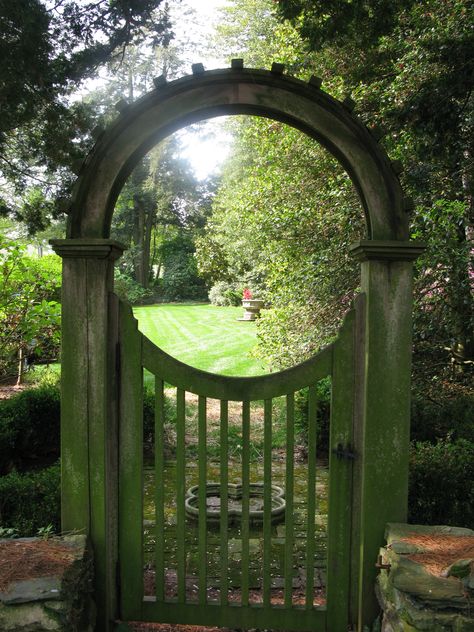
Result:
[31,501]
[29,429]
[440,483]
[47,50]
[285,212]
[158,216]
[409,65]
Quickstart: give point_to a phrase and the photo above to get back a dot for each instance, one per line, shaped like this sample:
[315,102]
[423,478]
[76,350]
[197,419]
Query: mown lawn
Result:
[205,336]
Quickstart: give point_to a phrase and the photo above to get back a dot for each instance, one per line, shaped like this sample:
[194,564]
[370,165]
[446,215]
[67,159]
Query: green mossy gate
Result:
[336,361]
[103,358]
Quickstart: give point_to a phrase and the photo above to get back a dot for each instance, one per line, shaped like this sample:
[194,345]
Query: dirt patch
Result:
[440,551]
[11,390]
[20,560]
[234,595]
[213,413]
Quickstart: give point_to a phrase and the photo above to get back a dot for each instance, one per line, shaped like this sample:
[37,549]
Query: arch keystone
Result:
[198,69]
[121,105]
[277,68]
[160,81]
[316,82]
[397,166]
[349,103]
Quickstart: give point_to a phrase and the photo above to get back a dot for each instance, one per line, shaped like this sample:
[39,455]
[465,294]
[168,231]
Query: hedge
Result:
[31,500]
[29,429]
[441,489]
[441,483]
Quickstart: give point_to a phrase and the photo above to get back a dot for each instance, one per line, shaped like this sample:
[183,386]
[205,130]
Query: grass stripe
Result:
[201,335]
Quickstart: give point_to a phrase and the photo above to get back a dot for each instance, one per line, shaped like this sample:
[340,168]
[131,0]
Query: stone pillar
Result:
[88,406]
[382,420]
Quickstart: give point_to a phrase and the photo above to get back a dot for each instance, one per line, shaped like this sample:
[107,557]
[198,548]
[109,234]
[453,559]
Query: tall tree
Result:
[47,48]
[411,67]
[286,211]
[160,201]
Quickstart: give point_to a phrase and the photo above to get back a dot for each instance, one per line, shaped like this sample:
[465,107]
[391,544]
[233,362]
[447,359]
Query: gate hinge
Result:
[118,581]
[342,452]
[380,564]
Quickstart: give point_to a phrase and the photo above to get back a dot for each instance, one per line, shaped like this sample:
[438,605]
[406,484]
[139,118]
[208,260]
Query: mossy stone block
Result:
[414,600]
[60,601]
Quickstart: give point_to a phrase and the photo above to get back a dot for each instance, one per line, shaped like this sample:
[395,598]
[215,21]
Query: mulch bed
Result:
[440,550]
[20,560]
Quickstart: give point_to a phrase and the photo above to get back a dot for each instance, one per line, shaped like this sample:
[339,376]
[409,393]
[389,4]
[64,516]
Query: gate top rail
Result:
[224,387]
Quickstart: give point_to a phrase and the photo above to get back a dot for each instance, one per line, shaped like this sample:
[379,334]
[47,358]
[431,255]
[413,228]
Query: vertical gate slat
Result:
[180,494]
[311,498]
[267,500]
[131,464]
[340,478]
[245,531]
[224,473]
[289,518]
[202,522]
[159,491]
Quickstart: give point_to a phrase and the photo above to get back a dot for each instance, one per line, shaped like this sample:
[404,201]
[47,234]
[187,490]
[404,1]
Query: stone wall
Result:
[427,584]
[46,585]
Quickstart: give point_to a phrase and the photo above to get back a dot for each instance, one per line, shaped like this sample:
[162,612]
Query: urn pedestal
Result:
[252,307]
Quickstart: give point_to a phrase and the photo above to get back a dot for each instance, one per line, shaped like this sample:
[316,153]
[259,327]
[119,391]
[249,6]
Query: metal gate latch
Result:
[344,453]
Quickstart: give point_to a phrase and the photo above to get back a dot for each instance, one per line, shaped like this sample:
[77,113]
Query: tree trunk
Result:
[19,378]
[463,314]
[139,239]
[463,301]
[146,248]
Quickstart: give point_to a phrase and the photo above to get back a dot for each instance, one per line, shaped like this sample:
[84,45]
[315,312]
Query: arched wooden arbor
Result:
[91,449]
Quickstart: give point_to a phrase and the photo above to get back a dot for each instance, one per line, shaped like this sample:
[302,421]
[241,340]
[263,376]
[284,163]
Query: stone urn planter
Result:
[252,307]
[234,504]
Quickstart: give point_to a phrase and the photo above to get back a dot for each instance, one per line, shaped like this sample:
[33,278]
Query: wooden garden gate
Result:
[282,607]
[103,358]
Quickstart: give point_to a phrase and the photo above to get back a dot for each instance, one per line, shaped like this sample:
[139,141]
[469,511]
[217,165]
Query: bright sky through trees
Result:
[205,145]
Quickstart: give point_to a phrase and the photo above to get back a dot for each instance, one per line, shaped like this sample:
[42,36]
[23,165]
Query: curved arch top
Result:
[204,95]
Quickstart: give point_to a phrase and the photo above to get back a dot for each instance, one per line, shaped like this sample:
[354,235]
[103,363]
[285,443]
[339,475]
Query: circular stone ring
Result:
[234,504]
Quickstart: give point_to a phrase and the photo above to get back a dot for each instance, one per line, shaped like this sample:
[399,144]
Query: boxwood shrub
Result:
[441,488]
[29,429]
[149,421]
[31,500]
[448,417]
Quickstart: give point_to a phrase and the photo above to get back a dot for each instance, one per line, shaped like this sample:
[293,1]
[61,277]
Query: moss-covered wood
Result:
[373,367]
[88,405]
[386,280]
[237,91]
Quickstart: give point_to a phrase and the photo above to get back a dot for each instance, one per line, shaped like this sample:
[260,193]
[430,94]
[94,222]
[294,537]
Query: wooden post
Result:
[384,417]
[89,407]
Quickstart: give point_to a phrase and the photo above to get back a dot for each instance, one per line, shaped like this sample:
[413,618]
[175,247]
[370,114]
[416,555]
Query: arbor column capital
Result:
[378,250]
[88,248]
